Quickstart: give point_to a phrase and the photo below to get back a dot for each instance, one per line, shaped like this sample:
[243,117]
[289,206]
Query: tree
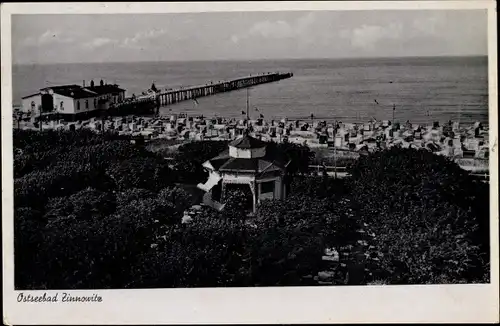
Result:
[281,257]
[299,155]
[177,197]
[153,87]
[91,84]
[86,204]
[36,150]
[98,212]
[28,238]
[125,197]
[205,253]
[140,172]
[26,162]
[101,252]
[189,159]
[34,189]
[73,230]
[320,187]
[432,250]
[302,228]
[421,210]
[238,203]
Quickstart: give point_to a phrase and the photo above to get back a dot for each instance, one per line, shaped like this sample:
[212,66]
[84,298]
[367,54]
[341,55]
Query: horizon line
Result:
[257,59]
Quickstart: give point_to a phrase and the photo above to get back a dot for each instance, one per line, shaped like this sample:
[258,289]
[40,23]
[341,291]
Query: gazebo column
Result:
[223,192]
[254,195]
[259,190]
[279,187]
[284,179]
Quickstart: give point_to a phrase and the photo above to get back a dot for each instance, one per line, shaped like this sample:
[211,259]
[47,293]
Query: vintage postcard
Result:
[249,162]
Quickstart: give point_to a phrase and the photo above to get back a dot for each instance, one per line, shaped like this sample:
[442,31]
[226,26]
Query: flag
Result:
[195,101]
[243,112]
[394,107]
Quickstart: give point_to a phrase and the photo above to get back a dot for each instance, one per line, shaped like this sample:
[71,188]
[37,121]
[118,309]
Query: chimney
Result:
[83,83]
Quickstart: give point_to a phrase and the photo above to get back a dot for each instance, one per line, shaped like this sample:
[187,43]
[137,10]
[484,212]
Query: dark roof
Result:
[30,95]
[247,142]
[220,159]
[106,89]
[255,165]
[62,87]
[268,163]
[77,91]
[73,91]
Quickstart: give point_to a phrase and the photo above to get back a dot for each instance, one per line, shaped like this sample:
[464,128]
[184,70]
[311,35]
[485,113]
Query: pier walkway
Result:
[193,92]
[151,103]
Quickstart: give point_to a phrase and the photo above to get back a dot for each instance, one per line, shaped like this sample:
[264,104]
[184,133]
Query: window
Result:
[78,105]
[95,103]
[61,105]
[86,104]
[33,105]
[267,187]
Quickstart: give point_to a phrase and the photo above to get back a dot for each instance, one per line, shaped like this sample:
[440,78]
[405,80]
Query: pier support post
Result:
[178,95]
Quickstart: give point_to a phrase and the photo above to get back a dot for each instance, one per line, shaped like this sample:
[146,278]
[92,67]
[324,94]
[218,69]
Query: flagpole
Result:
[40,119]
[393,110]
[335,158]
[247,106]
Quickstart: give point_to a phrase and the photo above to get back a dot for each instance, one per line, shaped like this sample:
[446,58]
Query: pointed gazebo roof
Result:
[257,160]
[247,142]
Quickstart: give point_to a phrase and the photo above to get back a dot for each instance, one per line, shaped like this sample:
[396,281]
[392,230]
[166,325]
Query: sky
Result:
[63,38]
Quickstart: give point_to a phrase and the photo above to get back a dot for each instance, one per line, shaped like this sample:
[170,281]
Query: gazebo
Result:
[245,163]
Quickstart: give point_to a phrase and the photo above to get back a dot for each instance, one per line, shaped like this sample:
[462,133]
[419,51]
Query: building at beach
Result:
[73,101]
[244,165]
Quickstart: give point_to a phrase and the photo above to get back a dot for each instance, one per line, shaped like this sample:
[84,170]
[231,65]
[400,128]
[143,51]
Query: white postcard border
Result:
[357,304]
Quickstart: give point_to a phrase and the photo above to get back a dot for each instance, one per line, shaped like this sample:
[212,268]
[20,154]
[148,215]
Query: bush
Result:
[190,157]
[140,172]
[320,187]
[420,207]
[106,214]
[80,219]
[300,156]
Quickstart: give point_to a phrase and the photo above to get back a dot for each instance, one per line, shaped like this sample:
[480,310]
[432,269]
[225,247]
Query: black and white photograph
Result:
[249,149]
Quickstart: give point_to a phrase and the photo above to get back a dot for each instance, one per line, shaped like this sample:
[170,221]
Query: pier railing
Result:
[193,92]
[152,103]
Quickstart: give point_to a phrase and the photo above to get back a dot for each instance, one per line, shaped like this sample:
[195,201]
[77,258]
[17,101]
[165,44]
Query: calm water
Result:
[423,89]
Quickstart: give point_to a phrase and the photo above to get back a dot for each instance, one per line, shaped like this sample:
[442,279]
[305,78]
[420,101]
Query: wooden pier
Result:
[193,92]
[151,104]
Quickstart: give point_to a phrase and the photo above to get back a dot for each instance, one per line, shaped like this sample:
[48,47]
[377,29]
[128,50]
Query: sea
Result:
[419,90]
